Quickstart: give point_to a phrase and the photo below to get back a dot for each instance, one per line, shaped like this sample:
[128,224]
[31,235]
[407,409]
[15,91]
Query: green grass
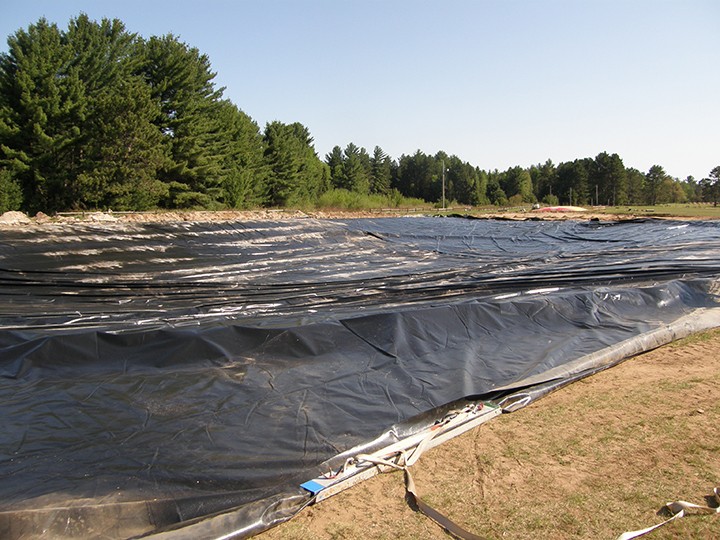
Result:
[689,210]
[344,200]
[694,210]
[703,337]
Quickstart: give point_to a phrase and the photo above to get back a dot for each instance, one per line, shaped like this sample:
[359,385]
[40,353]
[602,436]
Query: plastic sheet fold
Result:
[182,380]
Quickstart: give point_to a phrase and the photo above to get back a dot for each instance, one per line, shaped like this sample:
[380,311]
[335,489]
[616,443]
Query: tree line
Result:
[96,117]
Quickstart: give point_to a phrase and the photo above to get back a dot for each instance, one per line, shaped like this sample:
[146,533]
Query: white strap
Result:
[678,509]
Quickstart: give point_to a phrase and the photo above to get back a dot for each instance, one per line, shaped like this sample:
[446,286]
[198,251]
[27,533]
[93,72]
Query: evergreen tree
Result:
[243,167]
[74,122]
[710,186]
[525,187]
[10,192]
[458,187]
[124,152]
[481,187]
[572,182]
[284,159]
[544,179]
[517,181]
[36,129]
[355,167]
[418,176]
[366,162]
[381,172]
[335,160]
[120,150]
[495,193]
[635,186]
[181,81]
[294,171]
[608,179]
[653,180]
[461,180]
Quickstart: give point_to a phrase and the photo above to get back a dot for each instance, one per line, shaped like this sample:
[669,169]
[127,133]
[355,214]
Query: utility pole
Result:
[443,183]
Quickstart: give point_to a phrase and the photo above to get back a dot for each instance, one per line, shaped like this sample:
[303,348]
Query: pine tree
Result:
[295,173]
[180,80]
[10,192]
[635,186]
[419,176]
[126,150]
[481,187]
[495,193]
[381,172]
[653,180]
[334,161]
[120,150]
[517,181]
[36,129]
[544,179]
[243,167]
[355,175]
[710,186]
[74,122]
[462,182]
[607,175]
[572,182]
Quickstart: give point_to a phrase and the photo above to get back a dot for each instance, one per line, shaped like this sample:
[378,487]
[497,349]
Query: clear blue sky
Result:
[499,83]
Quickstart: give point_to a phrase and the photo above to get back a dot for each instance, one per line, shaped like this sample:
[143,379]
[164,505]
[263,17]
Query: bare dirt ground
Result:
[11,219]
[592,460]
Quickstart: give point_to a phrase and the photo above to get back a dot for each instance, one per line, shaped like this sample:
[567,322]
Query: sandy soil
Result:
[592,460]
[11,219]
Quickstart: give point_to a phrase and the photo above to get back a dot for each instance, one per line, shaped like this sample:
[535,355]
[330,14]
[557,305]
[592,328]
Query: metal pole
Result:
[443,183]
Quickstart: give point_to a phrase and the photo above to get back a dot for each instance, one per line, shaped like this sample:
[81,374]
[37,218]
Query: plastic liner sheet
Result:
[182,380]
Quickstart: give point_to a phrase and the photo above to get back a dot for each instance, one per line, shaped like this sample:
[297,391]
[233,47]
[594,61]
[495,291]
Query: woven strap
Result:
[412,492]
[678,509]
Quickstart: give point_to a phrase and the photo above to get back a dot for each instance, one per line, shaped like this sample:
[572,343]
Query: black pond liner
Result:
[182,380]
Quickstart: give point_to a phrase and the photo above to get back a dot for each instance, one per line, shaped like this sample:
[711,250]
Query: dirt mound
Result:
[14,218]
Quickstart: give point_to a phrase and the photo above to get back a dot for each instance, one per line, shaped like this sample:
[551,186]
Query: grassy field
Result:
[592,460]
[667,210]
[695,210]
[687,211]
